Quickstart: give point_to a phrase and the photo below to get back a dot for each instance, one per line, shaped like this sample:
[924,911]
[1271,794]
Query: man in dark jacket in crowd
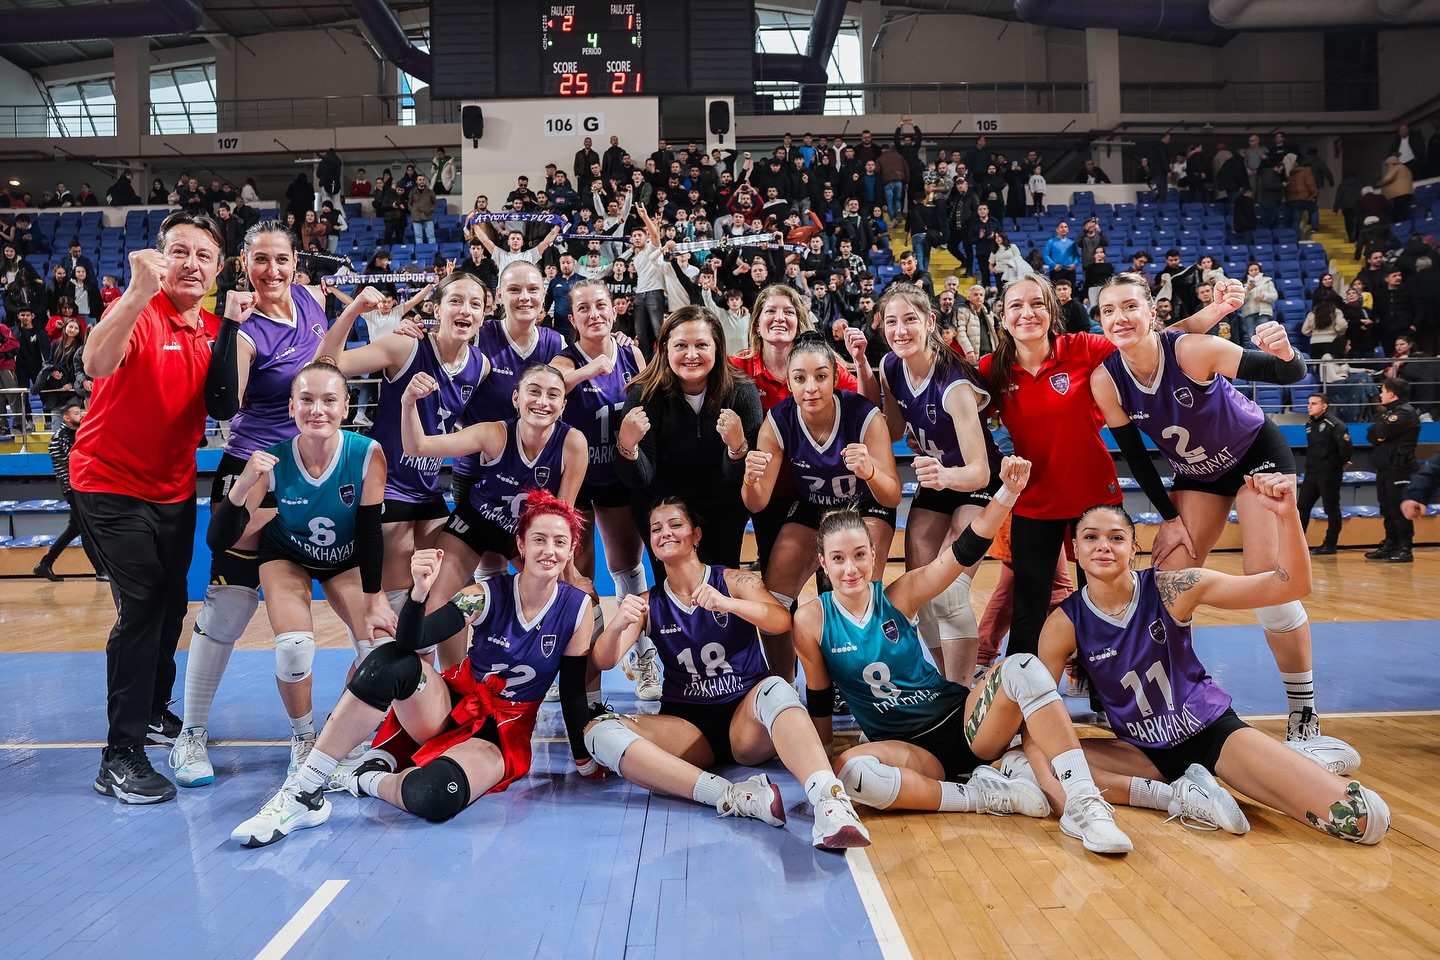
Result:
[1394,434]
[1328,450]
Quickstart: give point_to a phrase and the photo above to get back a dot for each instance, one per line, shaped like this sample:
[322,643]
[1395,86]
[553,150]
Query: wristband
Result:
[632,454]
[1005,496]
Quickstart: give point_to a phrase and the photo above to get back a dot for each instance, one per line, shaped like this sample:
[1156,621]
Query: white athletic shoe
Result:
[372,761]
[644,669]
[1202,804]
[1089,819]
[553,694]
[300,747]
[362,421]
[1016,766]
[282,813]
[189,760]
[1001,796]
[756,797]
[836,825]
[1332,753]
[1304,724]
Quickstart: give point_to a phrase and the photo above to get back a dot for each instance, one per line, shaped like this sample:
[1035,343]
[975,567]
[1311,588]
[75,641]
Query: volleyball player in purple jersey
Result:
[415,508]
[1174,387]
[1174,726]
[835,446]
[532,452]
[269,334]
[935,397]
[719,705]
[512,343]
[598,371]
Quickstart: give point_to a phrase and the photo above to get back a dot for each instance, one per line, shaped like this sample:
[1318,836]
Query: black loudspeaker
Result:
[719,117]
[472,123]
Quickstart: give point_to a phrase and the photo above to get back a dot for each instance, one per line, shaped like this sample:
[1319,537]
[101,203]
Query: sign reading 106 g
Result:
[574,124]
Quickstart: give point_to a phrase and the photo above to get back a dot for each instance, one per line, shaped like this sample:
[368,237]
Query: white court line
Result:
[882,918]
[290,934]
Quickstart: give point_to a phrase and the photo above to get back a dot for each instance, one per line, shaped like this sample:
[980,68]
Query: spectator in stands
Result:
[1244,217]
[1324,290]
[1260,297]
[1421,371]
[1091,239]
[62,380]
[1394,435]
[1397,310]
[1302,197]
[88,303]
[25,292]
[480,266]
[911,273]
[397,214]
[27,238]
[1197,174]
[1397,186]
[1062,254]
[1090,174]
[1097,271]
[1325,325]
[1035,184]
[1409,149]
[360,187]
[1159,158]
[1270,194]
[1328,450]
[1164,312]
[13,402]
[923,224]
[71,415]
[299,196]
[422,209]
[963,205]
[1072,313]
[557,296]
[1002,263]
[58,288]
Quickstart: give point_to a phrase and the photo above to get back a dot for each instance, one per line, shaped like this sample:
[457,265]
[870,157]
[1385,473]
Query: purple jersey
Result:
[417,479]
[526,653]
[499,493]
[709,657]
[495,398]
[281,349]
[1203,429]
[594,408]
[923,407]
[1143,666]
[818,469]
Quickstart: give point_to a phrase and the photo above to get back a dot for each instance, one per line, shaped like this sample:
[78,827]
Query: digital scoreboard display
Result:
[592,50]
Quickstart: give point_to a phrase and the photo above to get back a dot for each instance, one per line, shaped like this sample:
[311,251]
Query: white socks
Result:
[822,785]
[955,798]
[305,727]
[1073,772]
[315,772]
[1150,794]
[1299,689]
[709,789]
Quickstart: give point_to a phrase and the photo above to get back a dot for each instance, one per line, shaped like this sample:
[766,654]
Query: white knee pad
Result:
[294,655]
[628,582]
[773,697]
[873,783]
[1028,683]
[1282,618]
[608,740]
[396,599]
[491,572]
[951,612]
[227,612]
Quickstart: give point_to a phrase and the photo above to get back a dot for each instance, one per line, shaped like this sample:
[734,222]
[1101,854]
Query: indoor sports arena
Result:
[733,479]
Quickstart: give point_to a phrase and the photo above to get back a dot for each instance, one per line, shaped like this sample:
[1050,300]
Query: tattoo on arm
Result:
[1281,574]
[1173,583]
[747,580]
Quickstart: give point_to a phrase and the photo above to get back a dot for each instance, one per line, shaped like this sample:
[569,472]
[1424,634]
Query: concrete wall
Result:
[311,63]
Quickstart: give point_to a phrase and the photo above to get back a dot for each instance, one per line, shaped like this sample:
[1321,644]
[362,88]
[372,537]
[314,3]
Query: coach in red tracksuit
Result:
[133,473]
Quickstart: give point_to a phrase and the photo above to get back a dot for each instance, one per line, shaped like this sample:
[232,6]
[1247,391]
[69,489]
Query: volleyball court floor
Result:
[561,867]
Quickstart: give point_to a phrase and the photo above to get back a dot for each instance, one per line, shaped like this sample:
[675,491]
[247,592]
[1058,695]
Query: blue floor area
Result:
[555,867]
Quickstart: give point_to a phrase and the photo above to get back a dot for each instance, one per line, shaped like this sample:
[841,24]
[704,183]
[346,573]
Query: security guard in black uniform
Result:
[1394,434]
[1328,450]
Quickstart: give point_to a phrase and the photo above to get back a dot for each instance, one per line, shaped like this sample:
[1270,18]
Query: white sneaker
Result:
[646,675]
[1332,753]
[1202,804]
[756,797]
[1016,766]
[553,694]
[350,779]
[300,747]
[1303,724]
[189,760]
[282,813]
[836,825]
[362,421]
[1001,796]
[1089,819]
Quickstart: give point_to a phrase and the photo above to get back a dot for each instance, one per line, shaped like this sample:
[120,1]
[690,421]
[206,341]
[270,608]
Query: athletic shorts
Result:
[948,501]
[711,719]
[274,547]
[808,514]
[480,534]
[1202,748]
[602,495]
[406,511]
[478,712]
[230,467]
[460,487]
[946,741]
[1269,453]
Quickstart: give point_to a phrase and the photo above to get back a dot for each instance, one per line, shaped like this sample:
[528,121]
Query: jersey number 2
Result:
[1181,436]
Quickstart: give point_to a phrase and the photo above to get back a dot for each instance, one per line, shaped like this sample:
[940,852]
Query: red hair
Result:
[543,503]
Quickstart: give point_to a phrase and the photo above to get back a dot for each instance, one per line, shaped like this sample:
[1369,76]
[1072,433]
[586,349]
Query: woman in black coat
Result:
[1016,180]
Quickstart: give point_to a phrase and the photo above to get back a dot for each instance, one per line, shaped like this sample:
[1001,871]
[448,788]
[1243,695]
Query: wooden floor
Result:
[969,886]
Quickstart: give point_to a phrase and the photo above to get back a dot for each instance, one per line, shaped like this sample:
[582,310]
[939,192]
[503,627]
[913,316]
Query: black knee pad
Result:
[436,791]
[235,568]
[386,675]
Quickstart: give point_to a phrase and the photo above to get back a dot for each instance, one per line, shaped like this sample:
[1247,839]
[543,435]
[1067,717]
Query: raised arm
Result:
[762,467]
[110,339]
[1277,360]
[487,438]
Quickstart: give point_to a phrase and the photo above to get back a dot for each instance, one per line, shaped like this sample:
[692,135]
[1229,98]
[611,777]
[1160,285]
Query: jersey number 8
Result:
[877,675]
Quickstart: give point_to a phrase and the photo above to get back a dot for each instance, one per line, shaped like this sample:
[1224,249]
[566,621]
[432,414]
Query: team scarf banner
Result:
[347,279]
[512,217]
[751,240]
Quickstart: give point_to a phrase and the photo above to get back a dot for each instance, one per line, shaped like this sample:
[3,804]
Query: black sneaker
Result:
[600,709]
[352,781]
[126,774]
[43,569]
[1401,554]
[1324,550]
[164,728]
[1381,552]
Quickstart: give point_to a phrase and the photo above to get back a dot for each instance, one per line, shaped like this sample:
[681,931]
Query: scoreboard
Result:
[519,49]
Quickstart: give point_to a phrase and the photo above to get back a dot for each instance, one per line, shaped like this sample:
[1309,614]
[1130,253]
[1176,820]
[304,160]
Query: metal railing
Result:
[1308,96]
[773,97]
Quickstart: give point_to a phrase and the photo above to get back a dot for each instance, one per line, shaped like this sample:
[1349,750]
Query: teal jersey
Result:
[316,516]
[878,664]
